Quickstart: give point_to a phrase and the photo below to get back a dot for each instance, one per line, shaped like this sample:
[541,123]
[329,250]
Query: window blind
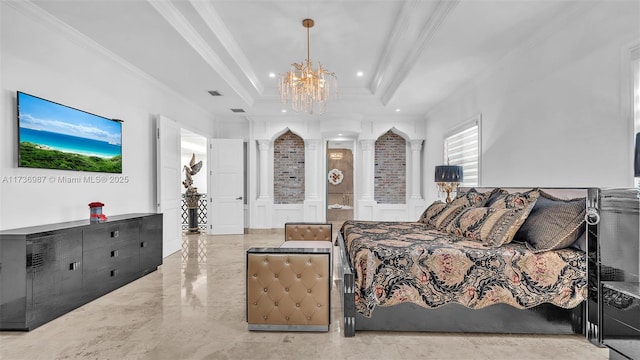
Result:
[635,55]
[636,90]
[462,148]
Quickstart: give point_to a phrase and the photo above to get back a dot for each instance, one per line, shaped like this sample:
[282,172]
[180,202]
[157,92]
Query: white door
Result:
[168,187]
[226,186]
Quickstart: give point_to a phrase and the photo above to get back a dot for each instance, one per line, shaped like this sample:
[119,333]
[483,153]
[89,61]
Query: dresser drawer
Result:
[620,303]
[111,235]
[621,317]
[625,339]
[151,243]
[106,256]
[107,269]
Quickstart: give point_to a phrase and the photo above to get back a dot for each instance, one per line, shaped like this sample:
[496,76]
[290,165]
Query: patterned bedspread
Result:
[396,262]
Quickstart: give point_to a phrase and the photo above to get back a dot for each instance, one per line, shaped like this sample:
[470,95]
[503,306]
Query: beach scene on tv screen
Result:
[55,136]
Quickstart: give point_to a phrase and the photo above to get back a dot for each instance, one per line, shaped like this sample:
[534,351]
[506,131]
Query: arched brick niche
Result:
[288,169]
[390,169]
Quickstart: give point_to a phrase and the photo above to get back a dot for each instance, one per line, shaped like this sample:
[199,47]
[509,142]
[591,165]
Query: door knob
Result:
[239,198]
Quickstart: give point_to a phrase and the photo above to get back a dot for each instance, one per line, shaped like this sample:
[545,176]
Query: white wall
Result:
[232,128]
[553,111]
[264,214]
[41,58]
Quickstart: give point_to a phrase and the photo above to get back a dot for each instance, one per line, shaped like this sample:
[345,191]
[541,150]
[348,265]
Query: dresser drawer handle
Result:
[115,234]
[74,266]
[114,272]
[114,253]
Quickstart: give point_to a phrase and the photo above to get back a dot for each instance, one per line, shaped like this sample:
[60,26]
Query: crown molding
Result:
[175,18]
[35,12]
[213,20]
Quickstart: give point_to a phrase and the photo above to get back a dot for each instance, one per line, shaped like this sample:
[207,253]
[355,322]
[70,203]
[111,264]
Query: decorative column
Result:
[416,204]
[416,147]
[262,215]
[312,168]
[367,162]
[366,204]
[263,174]
[313,203]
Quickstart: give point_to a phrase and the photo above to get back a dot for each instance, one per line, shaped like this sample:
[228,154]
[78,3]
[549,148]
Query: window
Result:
[635,59]
[462,147]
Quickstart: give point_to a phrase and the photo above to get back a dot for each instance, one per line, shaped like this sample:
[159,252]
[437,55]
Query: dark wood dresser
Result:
[49,270]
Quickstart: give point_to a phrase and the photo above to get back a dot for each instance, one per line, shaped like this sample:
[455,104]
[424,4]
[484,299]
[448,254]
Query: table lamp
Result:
[448,178]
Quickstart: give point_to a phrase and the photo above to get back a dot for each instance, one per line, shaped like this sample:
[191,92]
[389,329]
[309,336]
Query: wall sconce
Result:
[448,178]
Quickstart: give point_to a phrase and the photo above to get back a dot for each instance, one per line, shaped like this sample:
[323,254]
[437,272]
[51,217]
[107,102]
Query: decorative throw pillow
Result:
[445,217]
[497,193]
[553,223]
[515,200]
[472,198]
[431,213]
[489,225]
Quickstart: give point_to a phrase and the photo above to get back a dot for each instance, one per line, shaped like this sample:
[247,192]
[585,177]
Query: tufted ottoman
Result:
[288,288]
[307,231]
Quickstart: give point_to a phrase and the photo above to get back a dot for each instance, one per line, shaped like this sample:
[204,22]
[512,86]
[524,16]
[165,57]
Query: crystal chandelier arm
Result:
[303,85]
[308,46]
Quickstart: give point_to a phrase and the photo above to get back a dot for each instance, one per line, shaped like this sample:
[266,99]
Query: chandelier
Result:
[304,86]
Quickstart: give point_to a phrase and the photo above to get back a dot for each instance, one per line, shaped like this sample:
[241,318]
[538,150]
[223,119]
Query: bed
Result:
[447,273]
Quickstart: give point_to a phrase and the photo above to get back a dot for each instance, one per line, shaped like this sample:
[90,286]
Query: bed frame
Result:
[499,318]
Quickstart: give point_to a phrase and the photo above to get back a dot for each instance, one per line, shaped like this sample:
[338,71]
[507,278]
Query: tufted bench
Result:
[317,234]
[308,231]
[288,288]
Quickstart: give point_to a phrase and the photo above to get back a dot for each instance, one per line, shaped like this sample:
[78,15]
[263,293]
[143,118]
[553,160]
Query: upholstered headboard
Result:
[561,193]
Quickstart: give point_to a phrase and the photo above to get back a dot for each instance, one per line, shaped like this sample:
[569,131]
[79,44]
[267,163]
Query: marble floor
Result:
[193,308]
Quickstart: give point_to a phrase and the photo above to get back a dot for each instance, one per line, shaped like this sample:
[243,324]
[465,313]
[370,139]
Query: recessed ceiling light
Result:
[339,134]
[397,110]
[283,110]
[359,74]
[272,75]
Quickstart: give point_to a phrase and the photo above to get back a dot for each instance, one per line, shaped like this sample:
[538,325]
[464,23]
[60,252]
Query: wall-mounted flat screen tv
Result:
[56,136]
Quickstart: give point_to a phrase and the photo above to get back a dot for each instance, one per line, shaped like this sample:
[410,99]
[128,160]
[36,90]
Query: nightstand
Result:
[621,319]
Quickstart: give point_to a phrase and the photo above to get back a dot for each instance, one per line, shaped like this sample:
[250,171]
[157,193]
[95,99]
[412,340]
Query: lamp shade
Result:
[448,173]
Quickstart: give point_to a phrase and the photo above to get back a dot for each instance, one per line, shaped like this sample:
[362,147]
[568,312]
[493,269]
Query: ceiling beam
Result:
[392,44]
[213,20]
[177,20]
[428,29]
